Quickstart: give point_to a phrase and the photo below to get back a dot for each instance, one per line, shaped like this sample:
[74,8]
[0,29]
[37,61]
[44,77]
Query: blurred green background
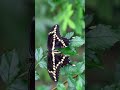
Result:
[69,15]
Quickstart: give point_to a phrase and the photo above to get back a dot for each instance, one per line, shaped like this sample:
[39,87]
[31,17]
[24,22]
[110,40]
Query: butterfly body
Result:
[56,59]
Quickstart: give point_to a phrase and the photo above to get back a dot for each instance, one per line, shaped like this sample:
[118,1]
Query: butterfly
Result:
[56,59]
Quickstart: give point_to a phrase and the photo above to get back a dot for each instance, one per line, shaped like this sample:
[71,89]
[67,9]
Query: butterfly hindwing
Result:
[53,70]
[55,62]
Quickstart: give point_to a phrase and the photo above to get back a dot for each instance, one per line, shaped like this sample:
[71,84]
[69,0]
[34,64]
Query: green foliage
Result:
[64,16]
[98,39]
[68,51]
[77,41]
[102,36]
[39,58]
[60,86]
[74,42]
[69,15]
[66,13]
[40,52]
[42,88]
[9,72]
[79,84]
[112,87]
[69,70]
[37,76]
[88,20]
[69,35]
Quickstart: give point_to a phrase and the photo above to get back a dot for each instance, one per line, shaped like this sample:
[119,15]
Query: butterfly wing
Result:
[55,62]
[51,66]
[55,40]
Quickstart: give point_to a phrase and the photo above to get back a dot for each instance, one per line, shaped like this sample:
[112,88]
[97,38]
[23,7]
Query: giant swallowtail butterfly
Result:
[56,59]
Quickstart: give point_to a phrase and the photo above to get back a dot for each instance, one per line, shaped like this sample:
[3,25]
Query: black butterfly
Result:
[56,59]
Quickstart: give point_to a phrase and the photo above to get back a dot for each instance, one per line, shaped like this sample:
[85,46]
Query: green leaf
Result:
[38,54]
[69,35]
[60,86]
[9,70]
[73,81]
[67,70]
[64,26]
[100,38]
[4,68]
[91,64]
[88,20]
[70,83]
[80,67]
[39,58]
[79,84]
[13,69]
[77,41]
[91,56]
[42,87]
[36,76]
[68,51]
[79,30]
[43,64]
[71,24]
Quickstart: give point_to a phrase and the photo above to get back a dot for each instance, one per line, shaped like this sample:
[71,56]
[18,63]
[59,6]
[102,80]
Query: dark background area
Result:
[102,61]
[15,32]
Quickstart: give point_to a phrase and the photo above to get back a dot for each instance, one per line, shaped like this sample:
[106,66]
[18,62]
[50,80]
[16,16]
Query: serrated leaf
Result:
[9,69]
[36,76]
[69,70]
[77,42]
[100,38]
[80,67]
[13,69]
[43,64]
[38,54]
[72,80]
[4,68]
[69,35]
[68,51]
[79,84]
[60,86]
[70,83]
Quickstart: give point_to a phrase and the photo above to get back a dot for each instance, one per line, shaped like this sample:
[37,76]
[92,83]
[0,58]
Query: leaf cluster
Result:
[69,71]
[10,72]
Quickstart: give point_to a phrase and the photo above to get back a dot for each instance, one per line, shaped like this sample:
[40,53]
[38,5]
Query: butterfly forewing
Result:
[55,40]
[50,42]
